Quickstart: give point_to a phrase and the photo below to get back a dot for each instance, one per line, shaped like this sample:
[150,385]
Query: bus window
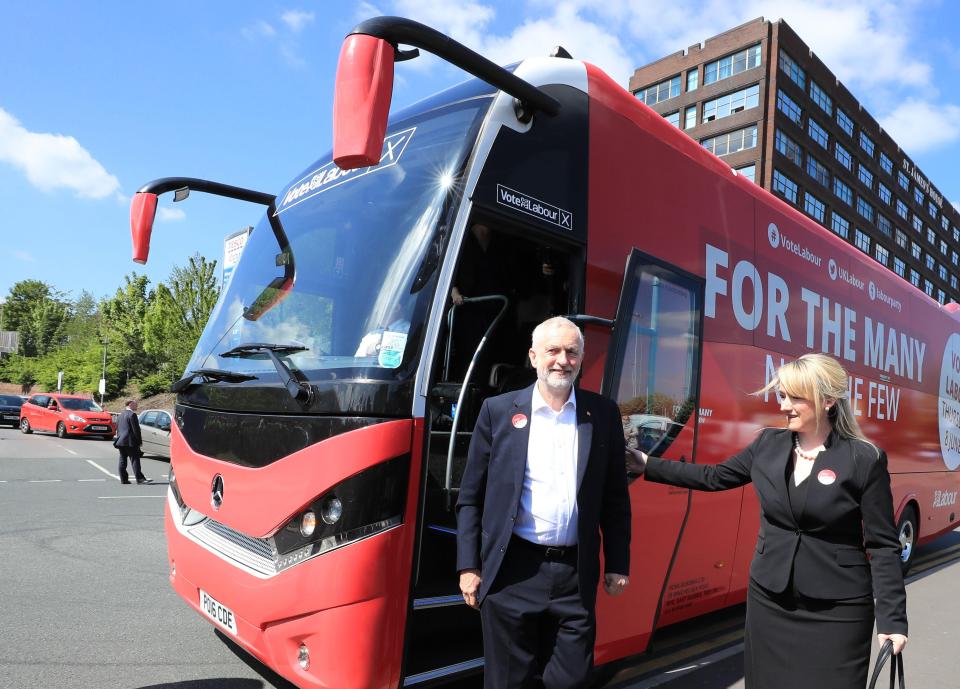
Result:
[653,373]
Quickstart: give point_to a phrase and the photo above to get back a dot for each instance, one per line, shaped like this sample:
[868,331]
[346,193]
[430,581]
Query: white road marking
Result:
[45,480]
[84,480]
[67,449]
[97,466]
[127,497]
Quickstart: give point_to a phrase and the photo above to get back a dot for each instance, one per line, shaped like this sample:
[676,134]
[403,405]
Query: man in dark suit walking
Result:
[544,478]
[128,442]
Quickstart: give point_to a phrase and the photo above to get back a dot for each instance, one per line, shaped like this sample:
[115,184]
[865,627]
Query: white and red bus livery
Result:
[322,424]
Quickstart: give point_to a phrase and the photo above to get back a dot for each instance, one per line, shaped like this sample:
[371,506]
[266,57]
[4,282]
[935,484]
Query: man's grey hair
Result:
[555,322]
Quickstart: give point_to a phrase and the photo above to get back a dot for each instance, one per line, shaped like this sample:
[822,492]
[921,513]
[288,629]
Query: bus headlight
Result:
[360,506]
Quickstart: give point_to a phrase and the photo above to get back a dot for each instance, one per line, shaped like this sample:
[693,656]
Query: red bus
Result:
[322,425]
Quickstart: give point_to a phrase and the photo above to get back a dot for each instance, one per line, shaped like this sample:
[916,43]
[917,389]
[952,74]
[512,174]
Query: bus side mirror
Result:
[143,208]
[361,101]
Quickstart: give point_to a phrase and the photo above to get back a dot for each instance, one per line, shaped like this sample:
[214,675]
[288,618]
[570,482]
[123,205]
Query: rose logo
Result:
[832,269]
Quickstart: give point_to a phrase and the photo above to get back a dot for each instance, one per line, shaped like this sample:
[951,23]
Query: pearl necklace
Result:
[809,456]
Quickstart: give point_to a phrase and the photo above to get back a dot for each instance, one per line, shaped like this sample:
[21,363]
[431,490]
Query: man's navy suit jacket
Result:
[493,481]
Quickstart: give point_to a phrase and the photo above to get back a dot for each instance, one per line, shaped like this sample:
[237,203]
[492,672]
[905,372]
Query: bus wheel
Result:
[61,430]
[25,427]
[907,529]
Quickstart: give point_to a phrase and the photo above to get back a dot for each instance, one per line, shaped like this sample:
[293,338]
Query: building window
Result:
[899,267]
[818,171]
[944,223]
[902,209]
[931,237]
[728,66]
[749,171]
[928,261]
[814,207]
[788,107]
[731,103]
[865,176]
[932,209]
[840,226]
[885,163]
[942,272]
[658,93]
[884,225]
[690,117]
[788,147]
[928,287]
[821,98]
[789,67]
[732,142]
[785,186]
[846,124]
[914,277]
[953,281]
[954,257]
[902,239]
[866,143]
[693,79]
[903,181]
[884,193]
[917,224]
[843,155]
[843,191]
[956,234]
[941,296]
[861,240]
[673,118]
[817,133]
[864,209]
[915,250]
[943,247]
[881,254]
[918,196]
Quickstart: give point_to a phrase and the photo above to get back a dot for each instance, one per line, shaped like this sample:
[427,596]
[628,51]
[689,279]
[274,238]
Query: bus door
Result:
[537,275]
[652,372]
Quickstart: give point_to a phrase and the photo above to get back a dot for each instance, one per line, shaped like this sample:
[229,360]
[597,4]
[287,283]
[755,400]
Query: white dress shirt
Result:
[548,502]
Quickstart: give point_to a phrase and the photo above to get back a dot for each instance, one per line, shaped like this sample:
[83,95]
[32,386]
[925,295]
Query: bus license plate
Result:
[218,612]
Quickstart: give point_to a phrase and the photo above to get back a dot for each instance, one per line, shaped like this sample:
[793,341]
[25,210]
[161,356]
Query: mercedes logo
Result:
[216,492]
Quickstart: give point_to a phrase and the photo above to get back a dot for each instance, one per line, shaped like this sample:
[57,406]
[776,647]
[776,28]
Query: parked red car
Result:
[65,415]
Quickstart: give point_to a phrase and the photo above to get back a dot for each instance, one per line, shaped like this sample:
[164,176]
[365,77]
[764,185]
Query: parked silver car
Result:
[155,431]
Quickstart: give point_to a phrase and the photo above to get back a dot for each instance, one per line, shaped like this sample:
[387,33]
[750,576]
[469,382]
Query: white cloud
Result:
[260,29]
[24,256]
[297,19]
[918,125]
[53,161]
[166,214]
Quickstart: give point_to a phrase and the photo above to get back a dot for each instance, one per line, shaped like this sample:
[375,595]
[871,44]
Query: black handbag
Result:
[896,667]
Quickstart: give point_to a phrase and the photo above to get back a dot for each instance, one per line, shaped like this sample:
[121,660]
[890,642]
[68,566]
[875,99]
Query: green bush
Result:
[154,384]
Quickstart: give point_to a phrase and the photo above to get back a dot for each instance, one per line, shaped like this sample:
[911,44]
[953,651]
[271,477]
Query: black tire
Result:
[25,427]
[62,431]
[907,530]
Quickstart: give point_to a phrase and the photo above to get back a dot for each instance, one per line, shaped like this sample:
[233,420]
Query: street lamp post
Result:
[103,375]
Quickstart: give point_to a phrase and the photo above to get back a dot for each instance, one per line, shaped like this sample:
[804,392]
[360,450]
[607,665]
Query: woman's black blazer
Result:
[842,520]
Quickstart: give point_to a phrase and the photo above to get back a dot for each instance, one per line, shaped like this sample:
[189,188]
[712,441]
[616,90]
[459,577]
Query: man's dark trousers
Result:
[133,453]
[536,596]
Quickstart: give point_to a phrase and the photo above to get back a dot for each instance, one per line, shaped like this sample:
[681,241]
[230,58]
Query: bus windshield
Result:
[340,275]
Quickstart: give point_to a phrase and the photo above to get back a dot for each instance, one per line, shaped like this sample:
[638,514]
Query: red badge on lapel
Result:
[519,420]
[826,477]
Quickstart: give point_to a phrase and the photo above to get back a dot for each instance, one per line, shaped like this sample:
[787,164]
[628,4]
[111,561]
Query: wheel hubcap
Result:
[906,541]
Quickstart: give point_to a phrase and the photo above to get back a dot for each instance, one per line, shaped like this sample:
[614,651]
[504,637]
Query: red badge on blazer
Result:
[826,477]
[519,420]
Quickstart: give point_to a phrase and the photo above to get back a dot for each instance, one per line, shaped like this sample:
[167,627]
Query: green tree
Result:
[122,327]
[178,314]
[39,313]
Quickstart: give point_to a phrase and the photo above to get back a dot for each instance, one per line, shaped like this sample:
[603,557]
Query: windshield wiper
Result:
[301,392]
[209,374]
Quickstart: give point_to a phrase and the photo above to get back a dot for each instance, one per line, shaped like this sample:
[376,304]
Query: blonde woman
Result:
[825,505]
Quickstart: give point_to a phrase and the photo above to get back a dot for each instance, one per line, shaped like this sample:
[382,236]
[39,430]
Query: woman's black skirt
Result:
[793,642]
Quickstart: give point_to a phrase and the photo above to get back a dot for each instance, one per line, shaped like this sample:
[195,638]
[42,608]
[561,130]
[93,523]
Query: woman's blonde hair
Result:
[819,378]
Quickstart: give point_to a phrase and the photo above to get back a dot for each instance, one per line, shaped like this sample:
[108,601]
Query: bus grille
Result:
[255,553]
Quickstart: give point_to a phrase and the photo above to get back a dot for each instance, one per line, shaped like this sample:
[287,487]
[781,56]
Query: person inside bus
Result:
[544,478]
[825,505]
[483,271]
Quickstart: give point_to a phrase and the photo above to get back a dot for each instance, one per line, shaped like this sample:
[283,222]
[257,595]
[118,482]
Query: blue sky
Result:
[98,98]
